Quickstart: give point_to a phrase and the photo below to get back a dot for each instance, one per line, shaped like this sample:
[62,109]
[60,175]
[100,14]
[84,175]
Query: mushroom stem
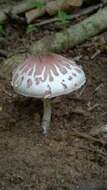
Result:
[46,115]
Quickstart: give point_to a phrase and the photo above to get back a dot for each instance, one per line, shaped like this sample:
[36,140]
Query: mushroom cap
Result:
[47,76]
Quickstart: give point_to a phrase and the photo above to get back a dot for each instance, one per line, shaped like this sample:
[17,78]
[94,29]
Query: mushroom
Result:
[47,76]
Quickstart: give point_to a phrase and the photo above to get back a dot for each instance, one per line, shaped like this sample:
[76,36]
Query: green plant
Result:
[30,28]
[38,4]
[63,16]
[1,30]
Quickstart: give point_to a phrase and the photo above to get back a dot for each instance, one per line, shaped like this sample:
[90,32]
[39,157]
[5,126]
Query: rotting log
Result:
[73,35]
[68,38]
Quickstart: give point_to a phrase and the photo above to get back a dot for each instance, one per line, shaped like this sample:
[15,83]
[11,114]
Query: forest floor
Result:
[69,155]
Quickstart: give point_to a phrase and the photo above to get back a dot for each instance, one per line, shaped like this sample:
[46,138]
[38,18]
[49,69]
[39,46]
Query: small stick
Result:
[101,85]
[96,54]
[91,108]
[94,150]
[88,137]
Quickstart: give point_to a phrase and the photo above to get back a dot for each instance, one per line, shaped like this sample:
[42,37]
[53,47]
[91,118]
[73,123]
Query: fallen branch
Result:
[82,12]
[63,40]
[51,8]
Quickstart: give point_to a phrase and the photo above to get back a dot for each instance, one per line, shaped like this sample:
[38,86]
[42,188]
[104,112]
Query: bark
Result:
[68,38]
[18,9]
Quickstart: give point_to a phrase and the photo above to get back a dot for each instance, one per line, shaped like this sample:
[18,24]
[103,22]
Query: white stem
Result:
[46,115]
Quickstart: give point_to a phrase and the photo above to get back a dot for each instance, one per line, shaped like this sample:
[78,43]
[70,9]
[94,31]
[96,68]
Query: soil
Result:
[69,154]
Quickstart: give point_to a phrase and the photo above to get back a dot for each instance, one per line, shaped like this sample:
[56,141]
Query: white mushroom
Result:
[47,76]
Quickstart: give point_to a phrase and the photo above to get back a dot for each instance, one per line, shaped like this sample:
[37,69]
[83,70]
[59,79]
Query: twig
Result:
[101,85]
[94,150]
[96,54]
[79,111]
[88,137]
[82,90]
[83,12]
[91,108]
